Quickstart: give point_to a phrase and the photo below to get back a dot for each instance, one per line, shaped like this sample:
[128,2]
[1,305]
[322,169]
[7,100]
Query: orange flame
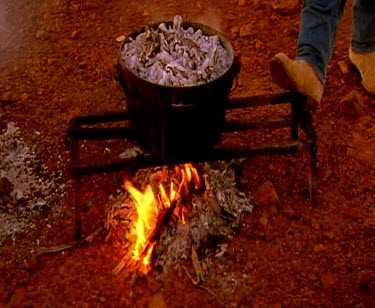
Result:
[148,211]
[148,208]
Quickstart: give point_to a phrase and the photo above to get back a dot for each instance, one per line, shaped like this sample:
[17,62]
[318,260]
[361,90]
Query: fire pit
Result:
[183,124]
[177,78]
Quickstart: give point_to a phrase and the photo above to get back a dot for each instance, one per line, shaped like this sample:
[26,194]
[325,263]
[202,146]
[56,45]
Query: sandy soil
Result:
[57,60]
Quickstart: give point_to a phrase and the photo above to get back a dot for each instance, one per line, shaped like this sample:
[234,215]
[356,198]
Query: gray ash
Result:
[27,187]
[174,56]
[214,212]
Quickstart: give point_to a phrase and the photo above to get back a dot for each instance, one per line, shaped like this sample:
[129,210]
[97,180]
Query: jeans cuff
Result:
[360,48]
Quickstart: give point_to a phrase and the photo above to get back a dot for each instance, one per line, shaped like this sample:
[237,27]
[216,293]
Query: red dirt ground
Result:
[57,61]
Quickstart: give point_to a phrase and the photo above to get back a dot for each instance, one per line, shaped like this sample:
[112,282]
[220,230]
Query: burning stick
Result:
[148,207]
[162,219]
[154,212]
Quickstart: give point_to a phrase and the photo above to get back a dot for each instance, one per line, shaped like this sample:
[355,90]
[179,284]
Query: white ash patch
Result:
[174,56]
[132,151]
[27,188]
[217,212]
[214,215]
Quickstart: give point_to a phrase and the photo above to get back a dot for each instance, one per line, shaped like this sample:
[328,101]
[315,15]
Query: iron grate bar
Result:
[147,161]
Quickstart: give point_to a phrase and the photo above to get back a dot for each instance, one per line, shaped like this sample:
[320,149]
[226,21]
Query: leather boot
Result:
[365,63]
[297,76]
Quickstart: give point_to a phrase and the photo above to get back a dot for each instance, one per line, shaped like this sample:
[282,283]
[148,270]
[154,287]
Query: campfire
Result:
[175,213]
[153,208]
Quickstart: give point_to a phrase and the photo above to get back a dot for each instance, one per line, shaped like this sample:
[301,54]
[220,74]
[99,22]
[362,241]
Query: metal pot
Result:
[173,122]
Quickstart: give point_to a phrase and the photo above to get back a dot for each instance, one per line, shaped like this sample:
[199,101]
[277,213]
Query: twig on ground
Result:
[197,265]
[203,287]
[42,250]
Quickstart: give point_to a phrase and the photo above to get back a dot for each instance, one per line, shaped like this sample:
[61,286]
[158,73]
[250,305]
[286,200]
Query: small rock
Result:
[234,31]
[153,284]
[119,39]
[329,235]
[285,7]
[8,241]
[319,248]
[264,221]
[93,215]
[343,67]
[51,165]
[329,280]
[9,97]
[24,96]
[51,61]
[257,4]
[326,173]
[241,2]
[287,210]
[18,297]
[247,61]
[258,44]
[367,278]
[30,263]
[4,297]
[352,213]
[247,30]
[23,202]
[369,205]
[157,301]
[362,149]
[42,35]
[265,194]
[102,299]
[180,273]
[6,186]
[75,34]
[40,91]
[348,105]
[274,210]
[275,305]
[23,278]
[315,224]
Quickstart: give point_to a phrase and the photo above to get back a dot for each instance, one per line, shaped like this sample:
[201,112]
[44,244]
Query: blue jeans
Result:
[319,21]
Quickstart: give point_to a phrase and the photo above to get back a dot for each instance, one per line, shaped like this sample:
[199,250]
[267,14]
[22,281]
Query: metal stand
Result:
[298,119]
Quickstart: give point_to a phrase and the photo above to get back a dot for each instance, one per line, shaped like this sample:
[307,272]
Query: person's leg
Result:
[319,21]
[306,74]
[362,49]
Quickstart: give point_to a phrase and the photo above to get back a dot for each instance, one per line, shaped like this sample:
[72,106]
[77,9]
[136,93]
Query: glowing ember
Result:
[150,209]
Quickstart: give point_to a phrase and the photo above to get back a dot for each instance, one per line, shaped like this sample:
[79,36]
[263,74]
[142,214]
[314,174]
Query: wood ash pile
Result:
[174,56]
[211,218]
